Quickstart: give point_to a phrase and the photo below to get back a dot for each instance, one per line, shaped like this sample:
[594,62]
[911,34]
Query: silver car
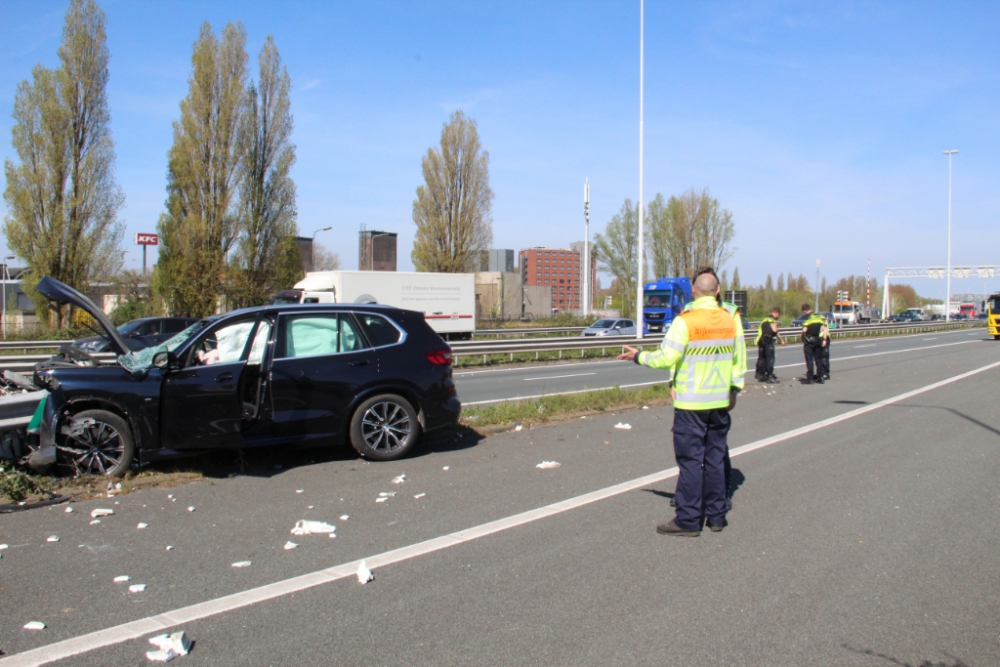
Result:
[610,327]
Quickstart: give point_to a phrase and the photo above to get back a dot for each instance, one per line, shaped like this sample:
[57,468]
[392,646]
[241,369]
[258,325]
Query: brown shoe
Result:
[673,529]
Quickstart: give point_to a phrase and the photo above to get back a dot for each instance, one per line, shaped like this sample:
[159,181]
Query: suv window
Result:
[175,326]
[223,345]
[380,331]
[315,334]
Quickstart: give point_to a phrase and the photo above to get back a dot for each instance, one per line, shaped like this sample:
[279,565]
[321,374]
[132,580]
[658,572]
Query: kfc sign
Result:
[147,239]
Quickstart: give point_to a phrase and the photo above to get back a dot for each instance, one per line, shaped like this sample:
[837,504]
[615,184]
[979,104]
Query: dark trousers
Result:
[700,449]
[765,360]
[826,358]
[814,359]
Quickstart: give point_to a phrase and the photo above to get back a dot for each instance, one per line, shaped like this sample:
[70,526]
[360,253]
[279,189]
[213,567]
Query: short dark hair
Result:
[806,308]
[776,310]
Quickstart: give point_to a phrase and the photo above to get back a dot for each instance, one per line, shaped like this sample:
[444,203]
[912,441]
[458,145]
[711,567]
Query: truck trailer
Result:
[447,300]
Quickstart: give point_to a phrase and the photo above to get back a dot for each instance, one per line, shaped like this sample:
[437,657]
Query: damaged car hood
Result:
[62,293]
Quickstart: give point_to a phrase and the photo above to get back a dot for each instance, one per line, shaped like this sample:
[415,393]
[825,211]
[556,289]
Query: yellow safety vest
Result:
[705,350]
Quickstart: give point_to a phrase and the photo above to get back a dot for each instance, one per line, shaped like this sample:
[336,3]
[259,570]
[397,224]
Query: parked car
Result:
[311,374]
[610,327]
[139,334]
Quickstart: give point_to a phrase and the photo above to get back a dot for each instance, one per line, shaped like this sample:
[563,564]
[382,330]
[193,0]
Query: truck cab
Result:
[993,316]
[663,300]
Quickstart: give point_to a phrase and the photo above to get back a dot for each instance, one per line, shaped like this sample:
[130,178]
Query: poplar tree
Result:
[617,252]
[200,224]
[453,207]
[62,198]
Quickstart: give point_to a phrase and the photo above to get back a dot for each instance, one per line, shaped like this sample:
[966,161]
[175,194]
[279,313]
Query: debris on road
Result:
[299,490]
[242,563]
[191,508]
[381,499]
[122,579]
[142,525]
[4,546]
[344,517]
[69,510]
[53,538]
[306,527]
[170,646]
[34,625]
[95,514]
[95,521]
[136,588]
[420,495]
[545,465]
[446,468]
[518,427]
[624,427]
[290,545]
[400,479]
[169,548]
[364,574]
[645,407]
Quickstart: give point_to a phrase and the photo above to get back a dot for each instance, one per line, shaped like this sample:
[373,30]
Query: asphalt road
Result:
[864,533]
[491,385]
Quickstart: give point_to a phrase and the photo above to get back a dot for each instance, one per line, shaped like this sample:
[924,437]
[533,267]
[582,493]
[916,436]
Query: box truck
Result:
[447,300]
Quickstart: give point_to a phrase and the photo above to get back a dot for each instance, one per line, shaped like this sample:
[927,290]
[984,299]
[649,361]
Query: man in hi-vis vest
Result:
[707,359]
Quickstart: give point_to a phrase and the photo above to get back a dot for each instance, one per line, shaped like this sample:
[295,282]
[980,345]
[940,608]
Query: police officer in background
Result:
[826,351]
[702,350]
[767,332]
[815,335]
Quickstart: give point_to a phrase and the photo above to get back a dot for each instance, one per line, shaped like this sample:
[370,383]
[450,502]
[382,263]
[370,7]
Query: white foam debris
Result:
[400,479]
[161,655]
[446,468]
[299,490]
[52,538]
[545,465]
[169,548]
[142,525]
[170,495]
[311,507]
[95,522]
[191,508]
[420,495]
[4,546]
[381,500]
[69,510]
[290,545]
[94,514]
[136,588]
[383,494]
[624,427]
[306,527]
[34,625]
[170,646]
[118,486]
[364,574]
[242,563]
[645,407]
[122,579]
[518,427]
[345,517]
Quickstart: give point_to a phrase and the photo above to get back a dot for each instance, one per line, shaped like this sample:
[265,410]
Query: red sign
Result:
[147,239]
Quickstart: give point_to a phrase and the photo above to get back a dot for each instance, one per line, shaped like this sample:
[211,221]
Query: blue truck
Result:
[663,300]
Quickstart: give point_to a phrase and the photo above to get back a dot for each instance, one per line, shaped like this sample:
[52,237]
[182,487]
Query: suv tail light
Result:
[439,357]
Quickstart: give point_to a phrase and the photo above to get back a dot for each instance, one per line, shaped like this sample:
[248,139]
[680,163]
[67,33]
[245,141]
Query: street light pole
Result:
[816,307]
[6,276]
[947,301]
[312,246]
[586,248]
[642,46]
[371,248]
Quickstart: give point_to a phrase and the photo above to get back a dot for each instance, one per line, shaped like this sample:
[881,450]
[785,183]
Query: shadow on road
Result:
[951,660]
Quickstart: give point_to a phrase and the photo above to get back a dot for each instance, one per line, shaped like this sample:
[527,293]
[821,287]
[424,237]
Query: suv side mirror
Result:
[165,360]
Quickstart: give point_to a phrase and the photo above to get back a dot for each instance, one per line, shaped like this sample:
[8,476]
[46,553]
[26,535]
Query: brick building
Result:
[559,269]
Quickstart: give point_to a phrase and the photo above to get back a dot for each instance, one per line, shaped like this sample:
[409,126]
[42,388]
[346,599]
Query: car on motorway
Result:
[307,374]
[907,316]
[139,334]
[610,327]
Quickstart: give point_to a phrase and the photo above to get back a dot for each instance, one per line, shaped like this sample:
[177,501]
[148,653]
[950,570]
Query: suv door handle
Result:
[359,362]
[225,377]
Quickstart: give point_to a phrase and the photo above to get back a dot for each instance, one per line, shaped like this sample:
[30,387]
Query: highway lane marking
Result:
[749,370]
[136,629]
[935,338]
[556,377]
[857,346]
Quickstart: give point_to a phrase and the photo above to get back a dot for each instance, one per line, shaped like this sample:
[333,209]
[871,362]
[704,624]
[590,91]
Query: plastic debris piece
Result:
[306,527]
[311,507]
[122,579]
[95,521]
[34,625]
[381,500]
[142,525]
[345,517]
[400,479]
[4,546]
[161,655]
[364,574]
[583,417]
[624,427]
[69,510]
[52,538]
[545,465]
[94,514]
[420,495]
[299,490]
[446,468]
[383,494]
[177,642]
[290,545]
[242,563]
[191,508]
[118,486]
[645,407]
[169,548]
[136,588]
[170,495]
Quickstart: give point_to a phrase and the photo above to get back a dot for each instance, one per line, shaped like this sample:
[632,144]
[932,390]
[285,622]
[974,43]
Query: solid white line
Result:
[857,346]
[556,377]
[136,629]
[523,368]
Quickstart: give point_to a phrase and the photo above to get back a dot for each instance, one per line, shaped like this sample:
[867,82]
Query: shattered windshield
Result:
[143,359]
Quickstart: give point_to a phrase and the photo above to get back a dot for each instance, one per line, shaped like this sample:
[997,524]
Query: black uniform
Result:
[826,355]
[765,350]
[812,345]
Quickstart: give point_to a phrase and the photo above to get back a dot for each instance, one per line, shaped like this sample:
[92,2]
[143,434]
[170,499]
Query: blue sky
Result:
[819,125]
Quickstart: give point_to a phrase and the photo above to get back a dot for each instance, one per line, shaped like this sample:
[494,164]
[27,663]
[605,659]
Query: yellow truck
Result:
[993,316]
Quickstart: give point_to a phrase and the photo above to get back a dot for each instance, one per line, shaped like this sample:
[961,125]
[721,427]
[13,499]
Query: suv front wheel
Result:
[95,442]
[384,427]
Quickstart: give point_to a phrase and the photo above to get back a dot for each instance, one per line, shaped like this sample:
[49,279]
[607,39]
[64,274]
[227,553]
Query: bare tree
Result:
[63,201]
[200,226]
[324,259]
[689,232]
[617,252]
[452,210]
[266,208]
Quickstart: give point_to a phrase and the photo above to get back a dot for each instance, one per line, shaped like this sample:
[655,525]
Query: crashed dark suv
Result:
[313,374]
